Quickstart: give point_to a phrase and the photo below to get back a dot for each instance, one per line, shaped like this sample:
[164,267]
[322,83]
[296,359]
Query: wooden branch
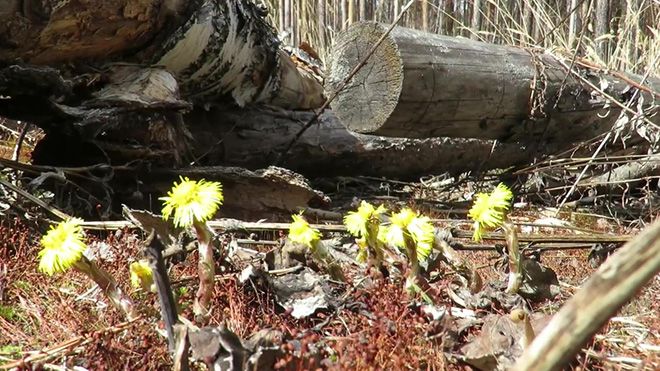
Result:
[617,281]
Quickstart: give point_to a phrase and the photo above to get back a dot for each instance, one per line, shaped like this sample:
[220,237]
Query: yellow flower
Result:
[408,222]
[141,275]
[357,222]
[192,201]
[301,232]
[62,247]
[489,209]
[394,233]
[423,233]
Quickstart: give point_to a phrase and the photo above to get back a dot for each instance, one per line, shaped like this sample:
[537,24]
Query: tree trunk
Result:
[363,10]
[602,28]
[573,25]
[476,19]
[423,85]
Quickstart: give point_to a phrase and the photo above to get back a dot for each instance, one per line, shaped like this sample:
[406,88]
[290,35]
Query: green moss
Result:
[22,285]
[10,350]
[8,313]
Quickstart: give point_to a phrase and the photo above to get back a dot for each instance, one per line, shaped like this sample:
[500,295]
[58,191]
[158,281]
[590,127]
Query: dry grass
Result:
[627,39]
[378,329]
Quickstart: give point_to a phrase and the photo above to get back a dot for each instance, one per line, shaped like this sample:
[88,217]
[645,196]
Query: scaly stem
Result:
[415,282]
[375,246]
[515,259]
[153,252]
[206,272]
[108,285]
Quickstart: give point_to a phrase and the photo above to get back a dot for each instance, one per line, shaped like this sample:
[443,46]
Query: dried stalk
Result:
[614,284]
[206,272]
[108,285]
[515,258]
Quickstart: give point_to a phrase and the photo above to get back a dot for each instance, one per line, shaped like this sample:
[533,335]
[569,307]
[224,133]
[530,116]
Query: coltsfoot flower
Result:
[63,246]
[488,210]
[301,232]
[192,201]
[408,222]
[141,275]
[357,222]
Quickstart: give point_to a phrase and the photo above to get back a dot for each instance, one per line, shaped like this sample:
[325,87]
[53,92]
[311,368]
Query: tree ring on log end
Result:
[369,97]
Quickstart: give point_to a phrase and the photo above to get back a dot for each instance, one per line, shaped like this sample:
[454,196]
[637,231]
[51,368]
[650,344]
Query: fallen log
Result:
[253,138]
[421,85]
[213,48]
[133,118]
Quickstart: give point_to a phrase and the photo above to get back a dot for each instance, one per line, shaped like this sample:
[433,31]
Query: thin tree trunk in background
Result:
[459,13]
[441,21]
[363,9]
[425,15]
[601,28]
[536,27]
[633,52]
[287,15]
[572,23]
[281,15]
[335,17]
[395,10]
[351,12]
[476,19]
[514,20]
[296,18]
[527,22]
[320,9]
[344,14]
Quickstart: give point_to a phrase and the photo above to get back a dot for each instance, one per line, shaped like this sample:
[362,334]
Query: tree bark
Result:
[423,85]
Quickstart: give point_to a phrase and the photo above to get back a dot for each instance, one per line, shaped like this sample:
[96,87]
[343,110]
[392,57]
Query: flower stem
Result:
[108,285]
[205,271]
[515,259]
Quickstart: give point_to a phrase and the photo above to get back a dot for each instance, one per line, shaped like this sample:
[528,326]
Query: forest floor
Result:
[64,322]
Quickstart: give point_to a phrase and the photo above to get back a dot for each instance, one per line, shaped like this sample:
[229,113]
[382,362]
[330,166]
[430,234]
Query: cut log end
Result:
[371,96]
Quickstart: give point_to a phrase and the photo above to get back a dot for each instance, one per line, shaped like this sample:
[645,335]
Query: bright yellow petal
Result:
[301,232]
[501,197]
[403,217]
[393,235]
[141,274]
[488,210]
[62,247]
[423,234]
[192,201]
[359,223]
[356,224]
